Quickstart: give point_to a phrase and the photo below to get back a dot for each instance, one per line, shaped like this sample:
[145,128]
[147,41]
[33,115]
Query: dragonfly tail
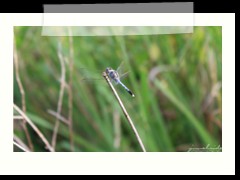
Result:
[128,90]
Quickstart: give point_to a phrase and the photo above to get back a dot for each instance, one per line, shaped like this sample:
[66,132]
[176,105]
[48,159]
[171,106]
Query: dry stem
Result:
[124,111]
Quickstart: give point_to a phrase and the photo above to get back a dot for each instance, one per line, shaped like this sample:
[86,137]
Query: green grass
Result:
[167,111]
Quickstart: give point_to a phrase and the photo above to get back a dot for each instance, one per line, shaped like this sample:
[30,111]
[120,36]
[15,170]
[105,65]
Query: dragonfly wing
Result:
[121,67]
[89,75]
[122,70]
[122,76]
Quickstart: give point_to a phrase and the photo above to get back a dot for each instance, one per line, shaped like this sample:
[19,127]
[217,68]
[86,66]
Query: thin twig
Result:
[60,98]
[22,92]
[20,147]
[42,137]
[124,111]
[70,96]
[19,142]
[58,116]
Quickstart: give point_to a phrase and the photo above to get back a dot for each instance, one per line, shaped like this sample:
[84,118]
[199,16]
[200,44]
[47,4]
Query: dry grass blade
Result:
[39,133]
[22,92]
[20,143]
[117,129]
[18,118]
[58,116]
[60,98]
[70,96]
[20,147]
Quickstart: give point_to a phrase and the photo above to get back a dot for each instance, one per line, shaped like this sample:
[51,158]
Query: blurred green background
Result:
[176,80]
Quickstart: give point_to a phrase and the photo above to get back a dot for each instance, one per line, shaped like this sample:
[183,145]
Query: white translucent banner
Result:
[118,19]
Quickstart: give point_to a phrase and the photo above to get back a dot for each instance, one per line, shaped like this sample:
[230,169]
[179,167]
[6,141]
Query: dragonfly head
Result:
[108,69]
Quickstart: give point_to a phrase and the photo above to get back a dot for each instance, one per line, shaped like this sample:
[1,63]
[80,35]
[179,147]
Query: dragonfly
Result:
[115,76]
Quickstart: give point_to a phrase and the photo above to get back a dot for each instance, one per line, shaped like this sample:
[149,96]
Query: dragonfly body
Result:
[114,76]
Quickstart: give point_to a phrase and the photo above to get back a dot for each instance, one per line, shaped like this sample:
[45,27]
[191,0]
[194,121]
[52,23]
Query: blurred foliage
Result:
[176,108]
